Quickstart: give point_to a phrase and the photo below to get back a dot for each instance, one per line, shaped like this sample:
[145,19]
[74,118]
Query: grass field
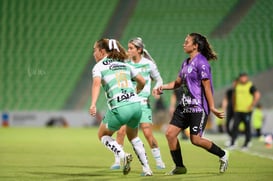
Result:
[76,154]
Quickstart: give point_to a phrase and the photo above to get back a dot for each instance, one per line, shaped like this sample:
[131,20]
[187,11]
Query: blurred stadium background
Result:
[46,48]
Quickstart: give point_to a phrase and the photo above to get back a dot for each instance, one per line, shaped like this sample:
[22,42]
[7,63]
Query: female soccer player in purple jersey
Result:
[196,102]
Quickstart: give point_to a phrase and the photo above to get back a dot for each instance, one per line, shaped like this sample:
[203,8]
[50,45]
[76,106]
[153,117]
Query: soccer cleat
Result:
[231,147]
[115,166]
[177,170]
[227,143]
[224,162]
[244,148]
[126,164]
[160,165]
[147,172]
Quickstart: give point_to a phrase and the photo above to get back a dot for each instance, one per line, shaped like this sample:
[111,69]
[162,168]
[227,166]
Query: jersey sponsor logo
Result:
[117,67]
[187,100]
[125,96]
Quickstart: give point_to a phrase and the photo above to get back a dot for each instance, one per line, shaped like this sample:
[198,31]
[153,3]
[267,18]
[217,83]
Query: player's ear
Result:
[195,46]
[139,50]
[103,51]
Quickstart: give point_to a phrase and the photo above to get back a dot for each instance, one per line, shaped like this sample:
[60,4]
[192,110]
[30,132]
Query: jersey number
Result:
[122,80]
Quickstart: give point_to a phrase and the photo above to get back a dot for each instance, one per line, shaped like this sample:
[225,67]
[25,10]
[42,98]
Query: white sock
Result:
[113,146]
[140,152]
[117,157]
[156,154]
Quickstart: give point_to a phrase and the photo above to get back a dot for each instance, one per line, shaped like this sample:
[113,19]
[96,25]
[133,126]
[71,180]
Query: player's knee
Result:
[121,133]
[169,135]
[195,141]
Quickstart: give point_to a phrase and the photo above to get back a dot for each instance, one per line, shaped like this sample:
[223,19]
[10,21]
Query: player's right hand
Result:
[159,90]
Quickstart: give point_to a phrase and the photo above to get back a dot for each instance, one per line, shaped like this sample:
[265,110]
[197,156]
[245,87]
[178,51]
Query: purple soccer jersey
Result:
[193,95]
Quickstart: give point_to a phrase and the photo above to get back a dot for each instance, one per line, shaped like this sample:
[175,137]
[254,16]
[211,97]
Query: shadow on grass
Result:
[92,173]
[81,166]
[102,173]
[188,176]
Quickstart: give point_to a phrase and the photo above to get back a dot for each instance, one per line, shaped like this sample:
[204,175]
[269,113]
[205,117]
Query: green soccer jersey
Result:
[116,78]
[149,71]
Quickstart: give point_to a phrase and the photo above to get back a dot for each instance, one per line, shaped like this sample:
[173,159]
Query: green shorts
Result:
[125,115]
[146,114]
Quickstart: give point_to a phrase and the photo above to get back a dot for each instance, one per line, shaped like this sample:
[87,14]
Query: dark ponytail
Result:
[203,46]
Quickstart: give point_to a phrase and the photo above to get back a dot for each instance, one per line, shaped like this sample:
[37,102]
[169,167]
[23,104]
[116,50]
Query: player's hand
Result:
[154,93]
[93,110]
[217,113]
[159,90]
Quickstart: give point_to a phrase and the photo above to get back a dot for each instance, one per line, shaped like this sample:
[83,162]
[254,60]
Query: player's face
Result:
[133,52]
[188,45]
[243,79]
[97,53]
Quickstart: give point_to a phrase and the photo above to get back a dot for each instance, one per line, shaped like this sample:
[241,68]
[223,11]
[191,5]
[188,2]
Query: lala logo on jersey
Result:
[125,95]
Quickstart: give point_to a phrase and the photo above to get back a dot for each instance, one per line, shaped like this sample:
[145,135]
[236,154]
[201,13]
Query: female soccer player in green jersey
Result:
[144,63]
[115,76]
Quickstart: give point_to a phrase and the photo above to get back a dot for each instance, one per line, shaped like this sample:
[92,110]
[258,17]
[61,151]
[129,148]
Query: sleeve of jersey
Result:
[253,89]
[204,70]
[156,75]
[96,71]
[133,71]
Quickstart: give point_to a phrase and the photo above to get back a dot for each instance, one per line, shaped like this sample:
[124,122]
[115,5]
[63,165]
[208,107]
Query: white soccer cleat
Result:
[160,165]
[115,166]
[147,172]
[224,162]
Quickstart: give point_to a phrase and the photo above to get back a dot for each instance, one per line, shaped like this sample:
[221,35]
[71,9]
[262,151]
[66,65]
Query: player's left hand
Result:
[217,113]
[93,110]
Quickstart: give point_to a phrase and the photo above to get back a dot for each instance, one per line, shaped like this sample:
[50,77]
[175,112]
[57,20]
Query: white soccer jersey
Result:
[149,71]
[116,78]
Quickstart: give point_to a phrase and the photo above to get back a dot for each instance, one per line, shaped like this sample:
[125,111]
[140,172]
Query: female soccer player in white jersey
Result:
[144,63]
[116,77]
[196,102]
